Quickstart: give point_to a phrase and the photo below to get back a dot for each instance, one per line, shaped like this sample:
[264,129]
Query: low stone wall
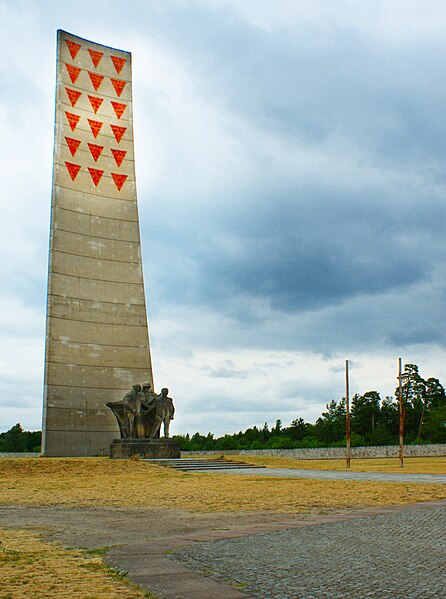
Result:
[309,453]
[22,454]
[327,453]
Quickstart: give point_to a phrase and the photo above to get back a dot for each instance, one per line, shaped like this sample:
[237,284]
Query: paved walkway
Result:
[439,479]
[400,554]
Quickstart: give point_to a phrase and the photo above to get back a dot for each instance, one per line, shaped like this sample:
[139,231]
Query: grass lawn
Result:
[100,481]
[31,569]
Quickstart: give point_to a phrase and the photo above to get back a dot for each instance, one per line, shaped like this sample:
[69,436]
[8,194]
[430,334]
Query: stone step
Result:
[208,468]
[197,463]
[190,464]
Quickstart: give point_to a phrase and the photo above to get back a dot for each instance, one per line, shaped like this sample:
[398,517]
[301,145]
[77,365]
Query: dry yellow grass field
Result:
[411,465]
[31,569]
[100,481]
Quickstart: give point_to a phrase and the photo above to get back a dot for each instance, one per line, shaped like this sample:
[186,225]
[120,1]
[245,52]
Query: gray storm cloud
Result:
[291,181]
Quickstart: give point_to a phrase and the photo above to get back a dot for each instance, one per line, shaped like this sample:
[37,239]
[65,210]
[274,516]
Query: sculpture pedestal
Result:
[122,449]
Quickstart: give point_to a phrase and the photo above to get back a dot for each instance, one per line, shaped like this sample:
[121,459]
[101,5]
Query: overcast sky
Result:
[291,170]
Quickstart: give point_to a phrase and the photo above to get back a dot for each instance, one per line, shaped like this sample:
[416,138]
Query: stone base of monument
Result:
[122,449]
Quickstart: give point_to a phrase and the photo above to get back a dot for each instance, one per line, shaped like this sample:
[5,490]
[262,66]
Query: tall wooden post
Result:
[347,414]
[400,393]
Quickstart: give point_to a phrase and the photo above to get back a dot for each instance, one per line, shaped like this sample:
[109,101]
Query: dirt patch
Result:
[95,527]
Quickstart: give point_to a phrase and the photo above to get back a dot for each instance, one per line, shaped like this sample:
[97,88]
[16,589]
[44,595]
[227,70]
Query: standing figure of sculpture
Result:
[148,396]
[164,412]
[132,412]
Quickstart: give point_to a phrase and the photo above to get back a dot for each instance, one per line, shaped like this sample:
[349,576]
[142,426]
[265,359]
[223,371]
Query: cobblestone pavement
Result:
[390,477]
[400,555]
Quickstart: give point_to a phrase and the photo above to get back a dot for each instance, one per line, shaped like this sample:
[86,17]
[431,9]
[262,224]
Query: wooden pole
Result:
[400,393]
[347,414]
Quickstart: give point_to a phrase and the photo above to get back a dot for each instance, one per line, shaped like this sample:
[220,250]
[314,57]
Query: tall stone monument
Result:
[97,342]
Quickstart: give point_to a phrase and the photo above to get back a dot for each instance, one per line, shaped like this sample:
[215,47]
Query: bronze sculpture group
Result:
[141,412]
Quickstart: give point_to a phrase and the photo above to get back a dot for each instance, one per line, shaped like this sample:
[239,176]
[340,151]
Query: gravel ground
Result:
[385,477]
[391,556]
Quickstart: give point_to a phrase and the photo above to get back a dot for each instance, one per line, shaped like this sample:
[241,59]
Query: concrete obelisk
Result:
[97,342]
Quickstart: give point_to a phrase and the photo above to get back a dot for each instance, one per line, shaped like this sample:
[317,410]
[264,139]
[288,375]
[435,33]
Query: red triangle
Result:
[73,48]
[119,85]
[118,62]
[95,151]
[95,174]
[73,95]
[118,132]
[73,169]
[95,103]
[73,119]
[95,56]
[119,180]
[73,144]
[73,72]
[95,126]
[118,155]
[118,108]
[96,79]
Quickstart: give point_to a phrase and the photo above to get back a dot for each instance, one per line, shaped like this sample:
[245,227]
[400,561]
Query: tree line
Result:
[17,440]
[374,421]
